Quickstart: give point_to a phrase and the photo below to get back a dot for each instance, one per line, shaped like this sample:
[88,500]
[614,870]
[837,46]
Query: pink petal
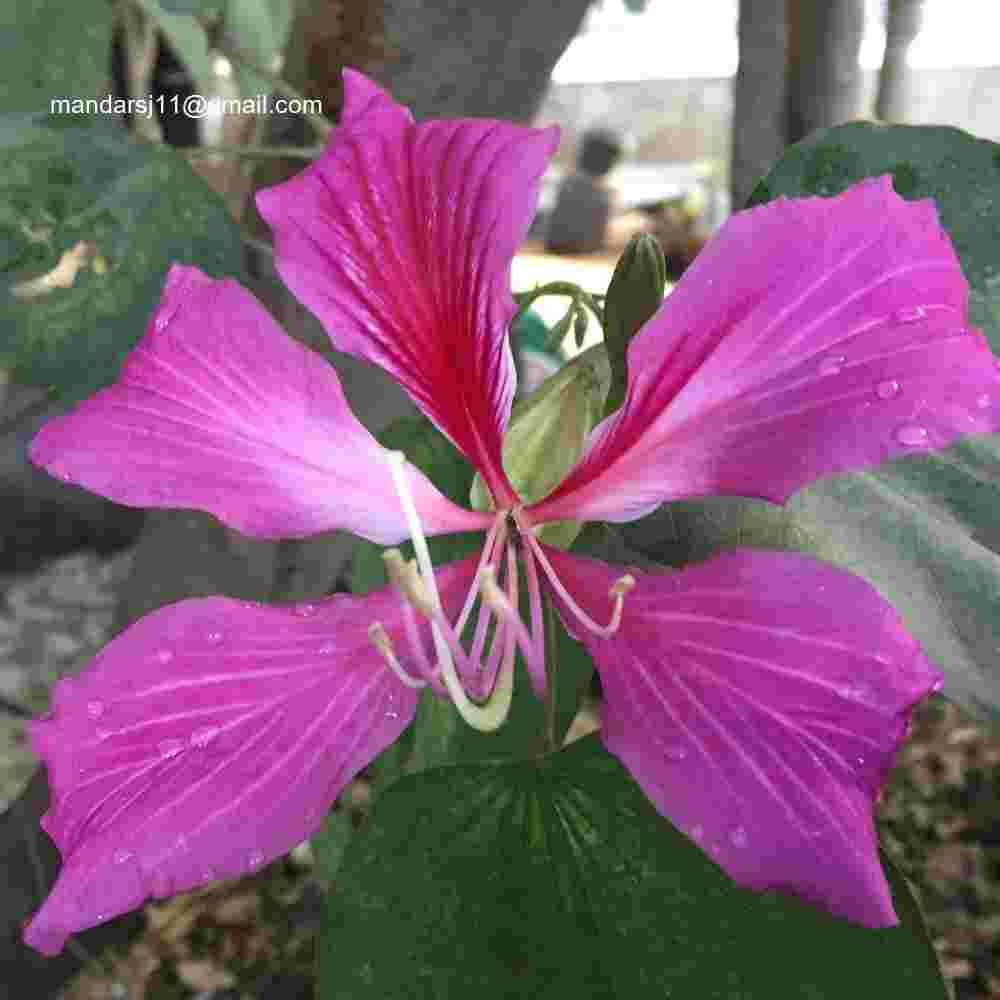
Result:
[400,240]
[207,740]
[811,336]
[759,698]
[217,409]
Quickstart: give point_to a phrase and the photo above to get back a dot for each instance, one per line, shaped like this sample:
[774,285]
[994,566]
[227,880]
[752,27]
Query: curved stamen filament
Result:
[617,592]
[381,641]
[486,717]
[507,611]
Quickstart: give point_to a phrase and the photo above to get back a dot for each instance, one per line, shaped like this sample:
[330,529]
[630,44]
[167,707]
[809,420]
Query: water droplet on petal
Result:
[181,843]
[171,747]
[208,874]
[255,858]
[202,737]
[909,314]
[102,734]
[887,389]
[214,637]
[164,655]
[675,752]
[391,714]
[698,832]
[95,709]
[983,401]
[305,610]
[832,365]
[162,322]
[738,837]
[122,856]
[328,648]
[912,435]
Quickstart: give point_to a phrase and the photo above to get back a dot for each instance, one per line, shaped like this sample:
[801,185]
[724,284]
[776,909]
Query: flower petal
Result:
[400,238]
[208,739]
[759,699]
[811,336]
[217,409]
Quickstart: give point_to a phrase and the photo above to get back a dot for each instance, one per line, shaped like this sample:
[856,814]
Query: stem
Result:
[575,292]
[256,152]
[231,52]
[551,672]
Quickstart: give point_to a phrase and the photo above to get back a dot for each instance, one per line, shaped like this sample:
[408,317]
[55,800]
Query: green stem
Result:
[551,672]
[575,292]
[256,152]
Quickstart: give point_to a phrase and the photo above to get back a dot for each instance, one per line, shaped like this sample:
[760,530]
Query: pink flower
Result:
[758,697]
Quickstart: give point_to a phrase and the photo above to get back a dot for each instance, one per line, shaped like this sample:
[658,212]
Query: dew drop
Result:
[910,314]
[832,365]
[328,648]
[122,856]
[162,322]
[102,734]
[208,874]
[698,832]
[171,748]
[95,709]
[392,714]
[887,389]
[181,843]
[675,752]
[202,737]
[738,837]
[255,858]
[983,401]
[305,610]
[912,435]
[164,655]
[214,637]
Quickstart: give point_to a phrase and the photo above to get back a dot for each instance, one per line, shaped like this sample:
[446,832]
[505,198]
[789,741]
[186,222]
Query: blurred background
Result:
[669,113]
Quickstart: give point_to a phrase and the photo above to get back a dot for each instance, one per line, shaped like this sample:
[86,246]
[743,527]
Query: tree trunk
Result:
[902,26]
[824,75]
[475,57]
[758,95]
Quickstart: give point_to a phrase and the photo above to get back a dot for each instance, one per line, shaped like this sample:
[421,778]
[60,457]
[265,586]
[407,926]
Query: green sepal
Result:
[546,435]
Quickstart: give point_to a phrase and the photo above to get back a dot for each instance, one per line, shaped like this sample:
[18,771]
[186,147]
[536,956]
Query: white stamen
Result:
[492,715]
[381,641]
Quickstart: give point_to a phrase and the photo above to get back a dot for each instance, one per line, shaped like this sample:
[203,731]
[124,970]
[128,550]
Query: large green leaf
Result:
[555,878]
[139,208]
[258,28]
[51,49]
[925,529]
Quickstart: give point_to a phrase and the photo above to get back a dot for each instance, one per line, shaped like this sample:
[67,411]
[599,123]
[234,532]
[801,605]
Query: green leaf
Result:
[923,529]
[330,842]
[137,207]
[260,29]
[50,49]
[188,39]
[556,878]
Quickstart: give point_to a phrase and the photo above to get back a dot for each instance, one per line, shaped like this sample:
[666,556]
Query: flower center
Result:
[460,671]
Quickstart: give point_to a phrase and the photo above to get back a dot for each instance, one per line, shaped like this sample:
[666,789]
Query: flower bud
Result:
[635,293]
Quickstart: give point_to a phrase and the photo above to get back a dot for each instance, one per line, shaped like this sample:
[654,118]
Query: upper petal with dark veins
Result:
[400,239]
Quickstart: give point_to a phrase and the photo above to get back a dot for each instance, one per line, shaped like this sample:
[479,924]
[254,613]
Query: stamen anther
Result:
[381,641]
[622,586]
[405,577]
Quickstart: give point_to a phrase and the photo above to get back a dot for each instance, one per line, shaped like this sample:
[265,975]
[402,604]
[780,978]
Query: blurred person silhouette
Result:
[579,221]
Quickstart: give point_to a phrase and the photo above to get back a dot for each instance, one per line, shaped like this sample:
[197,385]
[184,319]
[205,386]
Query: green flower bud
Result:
[546,435]
[635,293]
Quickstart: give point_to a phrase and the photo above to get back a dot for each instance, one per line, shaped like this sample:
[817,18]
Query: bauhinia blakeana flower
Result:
[758,698]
